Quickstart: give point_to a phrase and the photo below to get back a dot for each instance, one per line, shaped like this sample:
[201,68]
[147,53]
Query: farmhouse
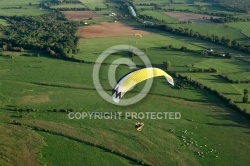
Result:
[209,50]
[112,14]
[148,23]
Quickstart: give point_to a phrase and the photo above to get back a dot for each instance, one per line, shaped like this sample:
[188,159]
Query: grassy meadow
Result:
[68,5]
[230,30]
[3,22]
[160,16]
[13,7]
[69,85]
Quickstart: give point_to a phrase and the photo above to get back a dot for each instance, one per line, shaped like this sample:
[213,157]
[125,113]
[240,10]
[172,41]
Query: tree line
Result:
[212,38]
[51,33]
[225,99]
[233,5]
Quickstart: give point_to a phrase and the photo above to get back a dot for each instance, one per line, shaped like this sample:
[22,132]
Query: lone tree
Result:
[167,64]
[246,92]
[245,98]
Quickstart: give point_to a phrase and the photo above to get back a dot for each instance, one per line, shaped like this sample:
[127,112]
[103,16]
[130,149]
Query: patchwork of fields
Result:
[38,90]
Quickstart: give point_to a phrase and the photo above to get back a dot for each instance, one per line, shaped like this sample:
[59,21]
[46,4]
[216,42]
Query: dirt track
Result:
[107,29]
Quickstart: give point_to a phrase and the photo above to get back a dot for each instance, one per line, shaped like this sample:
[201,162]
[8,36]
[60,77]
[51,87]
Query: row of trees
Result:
[51,33]
[234,5]
[213,38]
[201,70]
[227,100]
[229,19]
[238,81]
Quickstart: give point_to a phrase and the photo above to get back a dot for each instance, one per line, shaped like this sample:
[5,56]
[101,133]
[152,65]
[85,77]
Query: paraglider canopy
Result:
[129,80]
[137,34]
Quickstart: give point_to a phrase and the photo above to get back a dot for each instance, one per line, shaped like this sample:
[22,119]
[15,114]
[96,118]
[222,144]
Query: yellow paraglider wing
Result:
[137,34]
[133,78]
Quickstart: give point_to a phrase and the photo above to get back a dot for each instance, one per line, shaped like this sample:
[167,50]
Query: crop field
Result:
[195,18]
[108,30]
[78,15]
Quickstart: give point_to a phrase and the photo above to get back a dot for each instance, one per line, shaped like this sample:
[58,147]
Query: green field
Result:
[13,7]
[221,30]
[229,68]
[24,11]
[186,5]
[4,3]
[239,76]
[148,1]
[89,51]
[107,11]
[93,6]
[56,153]
[240,25]
[3,22]
[91,1]
[182,7]
[138,7]
[243,27]
[160,16]
[23,73]
[68,5]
